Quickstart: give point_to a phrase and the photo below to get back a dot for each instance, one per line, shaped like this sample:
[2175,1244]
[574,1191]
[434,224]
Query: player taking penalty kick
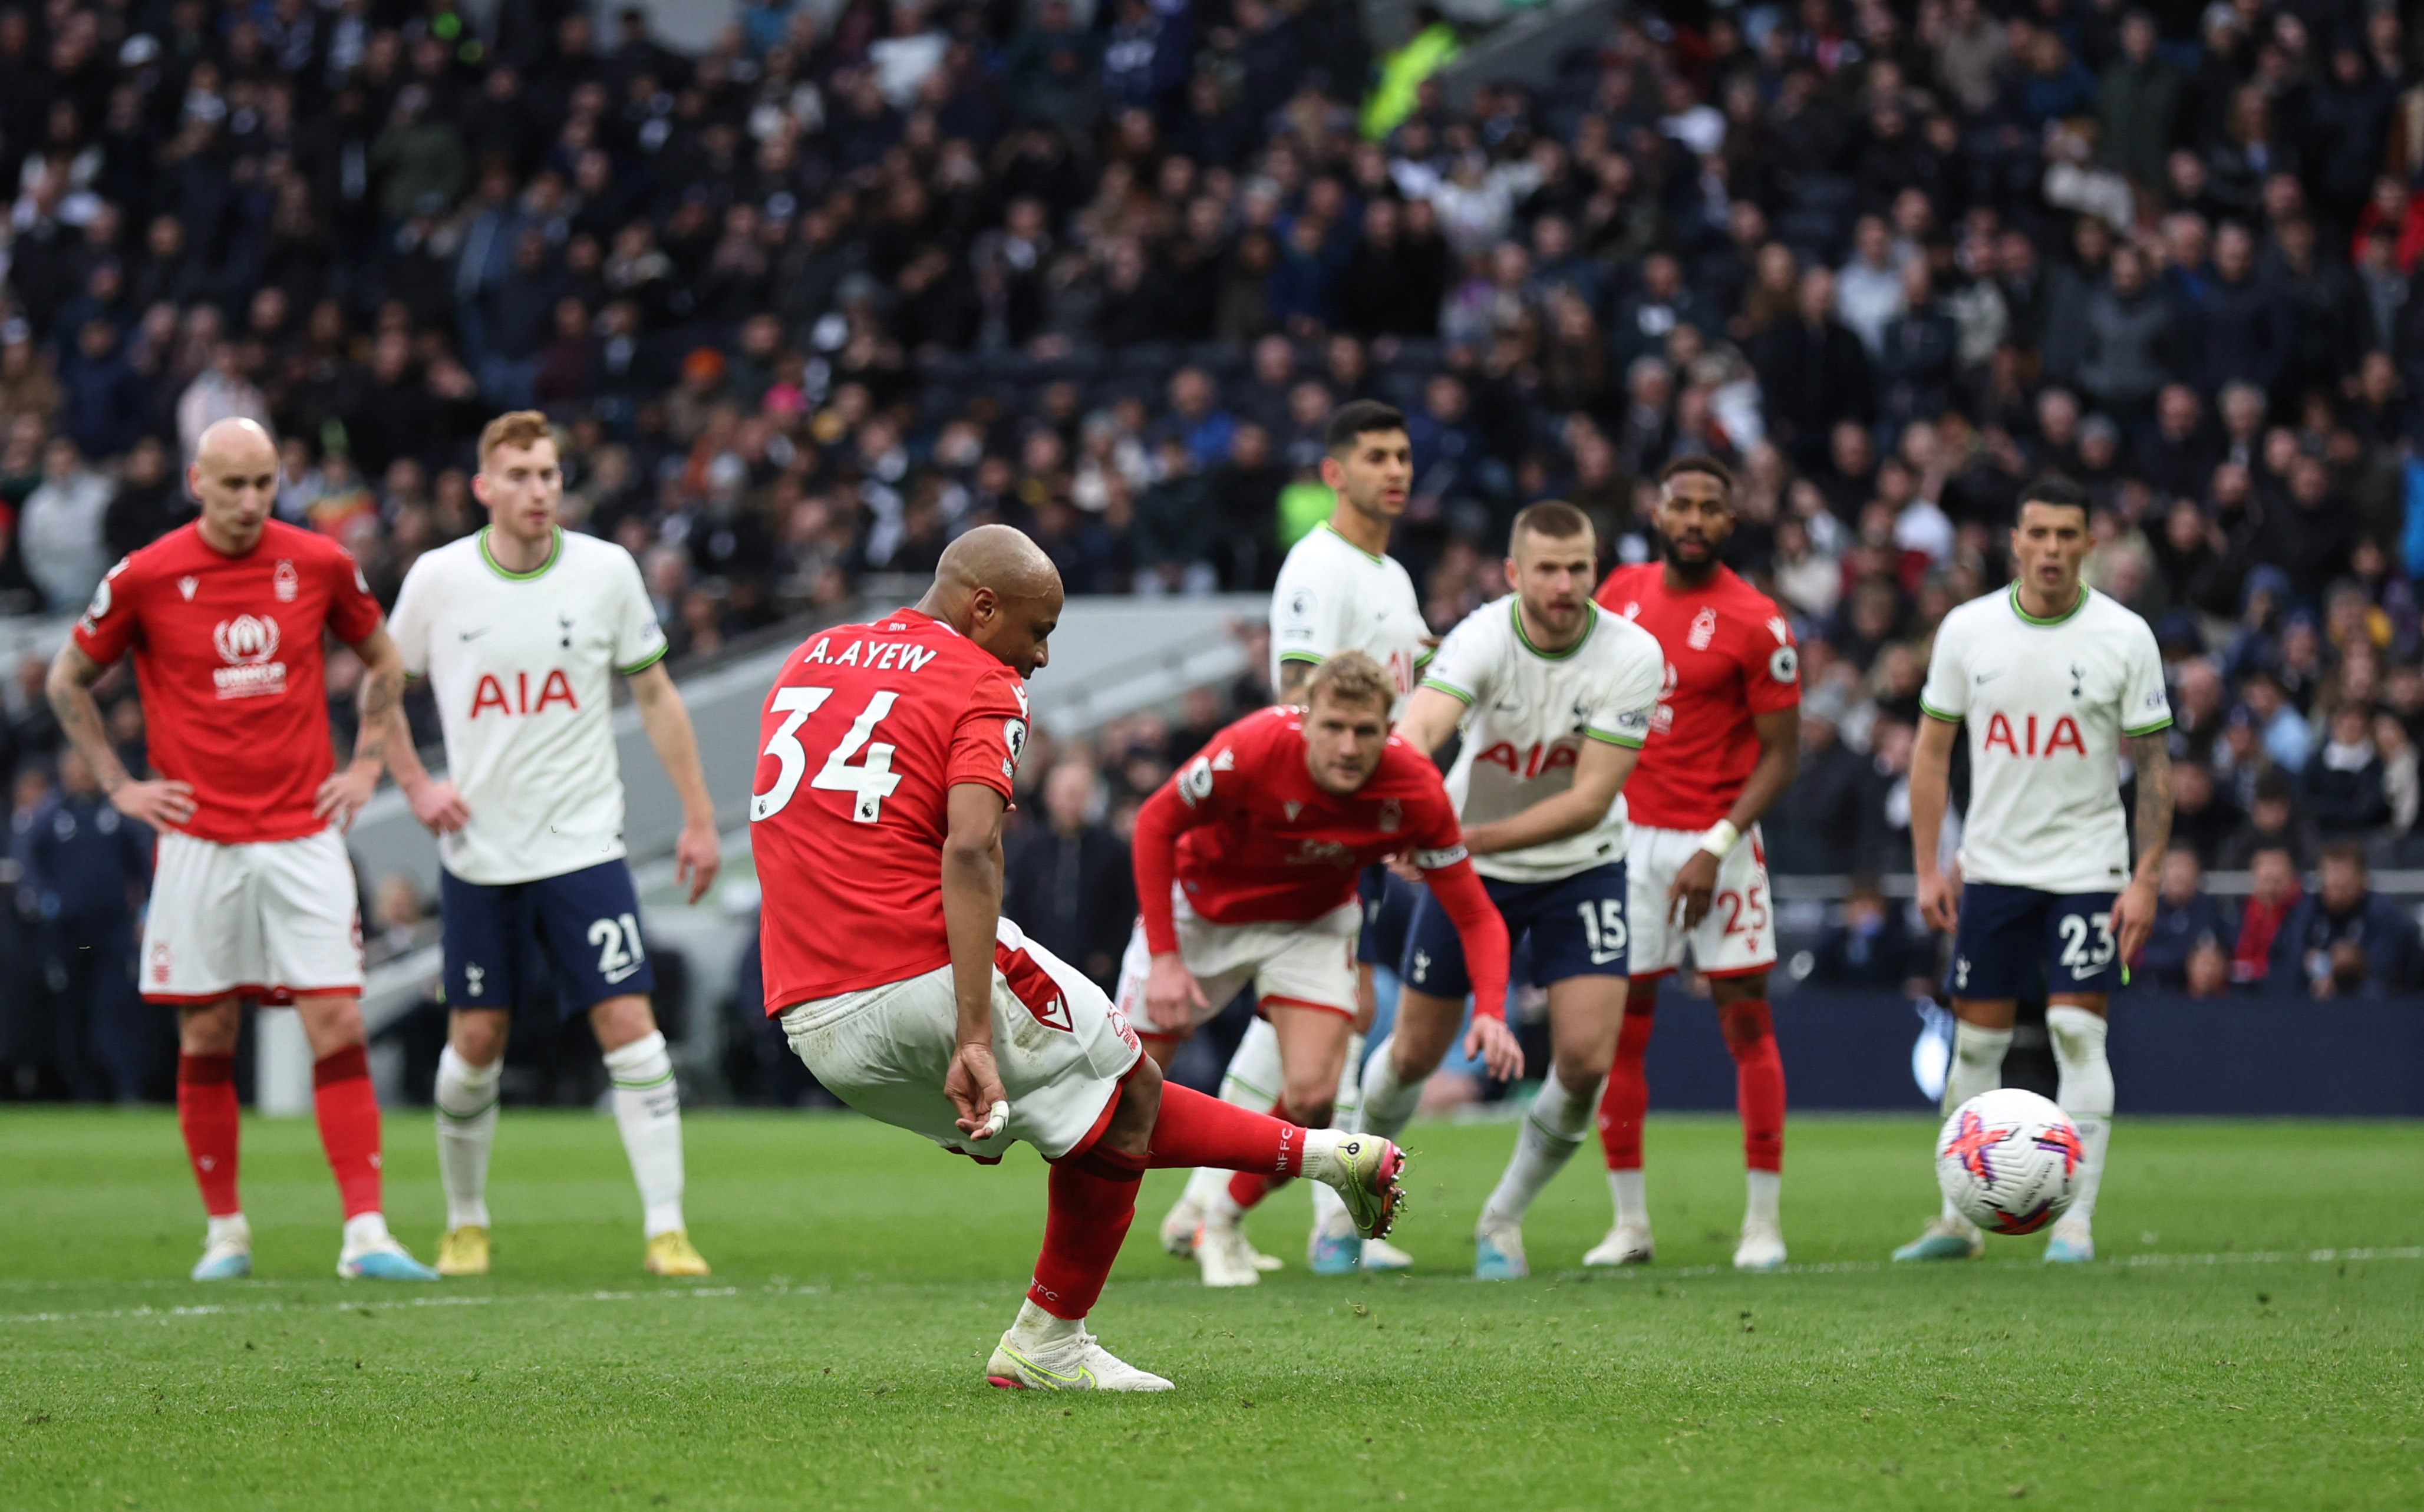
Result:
[1246,867]
[252,893]
[876,821]
[1553,696]
[2055,681]
[521,629]
[1724,745]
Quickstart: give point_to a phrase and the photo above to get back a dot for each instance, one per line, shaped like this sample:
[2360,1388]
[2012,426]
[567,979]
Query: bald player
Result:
[253,894]
[887,758]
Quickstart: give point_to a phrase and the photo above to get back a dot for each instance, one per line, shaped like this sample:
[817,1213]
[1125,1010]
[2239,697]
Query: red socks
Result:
[1092,1201]
[206,1115]
[1196,1130]
[348,1114]
[1759,1081]
[1626,1102]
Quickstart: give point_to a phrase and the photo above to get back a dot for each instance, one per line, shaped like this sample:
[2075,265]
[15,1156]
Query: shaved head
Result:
[235,476]
[999,589]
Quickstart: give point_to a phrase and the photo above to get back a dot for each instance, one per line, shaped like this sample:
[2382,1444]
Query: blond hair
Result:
[1351,678]
[516,427]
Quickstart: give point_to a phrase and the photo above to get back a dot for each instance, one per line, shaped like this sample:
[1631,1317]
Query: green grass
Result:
[834,1358]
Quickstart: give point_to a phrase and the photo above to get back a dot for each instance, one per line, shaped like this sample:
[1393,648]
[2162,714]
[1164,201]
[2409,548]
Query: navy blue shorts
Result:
[2018,942]
[586,922]
[1388,912]
[1574,927]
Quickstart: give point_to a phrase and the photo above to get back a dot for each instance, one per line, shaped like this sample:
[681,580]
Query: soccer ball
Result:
[2008,1161]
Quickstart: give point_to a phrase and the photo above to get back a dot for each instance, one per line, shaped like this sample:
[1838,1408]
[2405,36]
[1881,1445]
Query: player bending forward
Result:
[1553,695]
[1724,746]
[1246,863]
[1339,589]
[2051,678]
[519,629]
[889,749]
[252,893]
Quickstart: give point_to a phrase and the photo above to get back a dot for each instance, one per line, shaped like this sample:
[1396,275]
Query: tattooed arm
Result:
[343,794]
[2133,911]
[161,804]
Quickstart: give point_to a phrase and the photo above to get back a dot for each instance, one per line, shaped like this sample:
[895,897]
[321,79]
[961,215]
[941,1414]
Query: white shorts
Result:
[1061,1048]
[1738,936]
[272,920]
[1301,965]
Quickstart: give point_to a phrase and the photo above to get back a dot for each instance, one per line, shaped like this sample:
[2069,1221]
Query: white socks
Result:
[1761,1210]
[1552,1131]
[1632,1199]
[647,1108]
[229,1228]
[1252,1080]
[467,1131]
[365,1232]
[1389,1104]
[1036,1327]
[2085,1092]
[1977,1067]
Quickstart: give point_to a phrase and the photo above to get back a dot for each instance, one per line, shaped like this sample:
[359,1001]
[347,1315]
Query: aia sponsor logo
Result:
[493,693]
[1531,760]
[2060,734]
[248,644]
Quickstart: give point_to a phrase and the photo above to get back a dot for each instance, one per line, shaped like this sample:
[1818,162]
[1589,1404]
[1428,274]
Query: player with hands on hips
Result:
[2055,683]
[1552,696]
[876,817]
[1724,744]
[253,895]
[521,629]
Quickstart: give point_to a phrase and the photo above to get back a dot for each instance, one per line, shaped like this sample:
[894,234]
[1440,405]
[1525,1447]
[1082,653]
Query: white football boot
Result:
[1761,1248]
[1072,1363]
[1627,1243]
[1225,1257]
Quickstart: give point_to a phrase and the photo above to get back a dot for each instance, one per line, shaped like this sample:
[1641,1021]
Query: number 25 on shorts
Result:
[870,782]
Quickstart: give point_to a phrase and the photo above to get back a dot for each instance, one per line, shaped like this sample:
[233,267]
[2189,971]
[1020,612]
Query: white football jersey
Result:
[523,666]
[1527,713]
[2048,702]
[1333,596]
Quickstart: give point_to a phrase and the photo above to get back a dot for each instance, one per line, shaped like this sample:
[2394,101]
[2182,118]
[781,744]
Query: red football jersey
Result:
[1730,655]
[227,658]
[1259,842]
[864,734]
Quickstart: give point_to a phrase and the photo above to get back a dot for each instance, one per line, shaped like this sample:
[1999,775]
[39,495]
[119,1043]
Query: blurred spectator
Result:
[2187,920]
[60,534]
[2272,896]
[2345,939]
[1067,881]
[1875,946]
[82,869]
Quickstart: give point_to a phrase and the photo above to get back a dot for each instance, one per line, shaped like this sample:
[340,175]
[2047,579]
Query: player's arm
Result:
[972,866]
[1780,762]
[1431,716]
[1482,930]
[435,802]
[1172,994]
[1295,671]
[2133,911]
[382,700]
[1931,776]
[1599,770]
[698,854]
[161,803]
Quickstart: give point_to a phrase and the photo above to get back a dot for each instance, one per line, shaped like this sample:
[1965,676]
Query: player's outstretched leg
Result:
[1622,1108]
[346,1109]
[1977,1067]
[1252,1081]
[2085,1092]
[467,1131]
[1758,1095]
[1552,1130]
[206,1116]
[647,1110]
[1093,1201]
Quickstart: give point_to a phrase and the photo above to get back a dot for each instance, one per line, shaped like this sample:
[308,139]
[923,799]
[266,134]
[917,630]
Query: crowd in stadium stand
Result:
[862,276]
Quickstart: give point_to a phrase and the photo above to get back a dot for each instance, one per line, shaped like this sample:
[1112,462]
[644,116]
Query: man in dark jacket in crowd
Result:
[2186,916]
[2345,939]
[1068,882]
[82,867]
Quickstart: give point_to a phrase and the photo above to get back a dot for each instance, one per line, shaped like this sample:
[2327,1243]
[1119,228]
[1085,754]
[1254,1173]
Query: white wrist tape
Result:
[1721,839]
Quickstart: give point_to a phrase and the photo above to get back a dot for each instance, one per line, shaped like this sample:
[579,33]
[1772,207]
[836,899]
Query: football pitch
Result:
[2250,1339]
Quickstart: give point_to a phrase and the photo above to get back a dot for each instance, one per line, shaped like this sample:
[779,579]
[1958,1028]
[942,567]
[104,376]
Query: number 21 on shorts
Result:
[870,782]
